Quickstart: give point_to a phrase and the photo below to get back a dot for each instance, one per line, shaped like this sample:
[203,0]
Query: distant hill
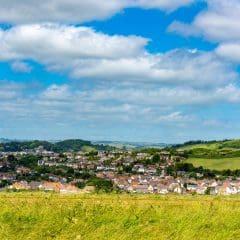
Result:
[4,140]
[61,146]
[132,145]
[75,145]
[227,143]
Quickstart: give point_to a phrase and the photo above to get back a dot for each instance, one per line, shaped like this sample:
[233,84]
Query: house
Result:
[8,176]
[23,170]
[141,156]
[141,189]
[151,170]
[34,185]
[23,185]
[162,189]
[191,187]
[89,189]
[175,188]
[201,190]
[228,189]
[150,189]
[50,186]
[68,189]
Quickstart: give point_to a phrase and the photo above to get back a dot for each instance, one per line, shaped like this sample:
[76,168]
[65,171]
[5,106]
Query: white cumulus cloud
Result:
[21,67]
[219,23]
[85,53]
[74,11]
[53,42]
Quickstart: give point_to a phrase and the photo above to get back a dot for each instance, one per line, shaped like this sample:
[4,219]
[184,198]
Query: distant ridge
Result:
[114,144]
[5,140]
[132,145]
[59,146]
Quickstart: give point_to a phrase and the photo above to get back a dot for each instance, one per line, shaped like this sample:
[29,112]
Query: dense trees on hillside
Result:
[62,146]
[178,168]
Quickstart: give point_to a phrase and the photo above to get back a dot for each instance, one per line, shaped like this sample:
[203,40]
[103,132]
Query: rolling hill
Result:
[60,146]
[215,155]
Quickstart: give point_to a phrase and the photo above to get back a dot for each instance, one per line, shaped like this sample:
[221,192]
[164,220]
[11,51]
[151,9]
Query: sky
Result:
[120,70]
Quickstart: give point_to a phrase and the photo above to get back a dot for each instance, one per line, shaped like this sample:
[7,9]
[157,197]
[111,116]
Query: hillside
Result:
[132,145]
[43,216]
[4,140]
[232,144]
[61,146]
[217,155]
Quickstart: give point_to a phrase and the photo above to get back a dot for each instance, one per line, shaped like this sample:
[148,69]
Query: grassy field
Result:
[210,146]
[216,163]
[230,145]
[44,216]
[88,149]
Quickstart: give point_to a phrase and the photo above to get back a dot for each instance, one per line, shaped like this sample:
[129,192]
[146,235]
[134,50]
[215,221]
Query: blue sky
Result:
[132,70]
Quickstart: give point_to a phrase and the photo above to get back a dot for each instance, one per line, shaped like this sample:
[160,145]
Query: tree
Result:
[155,158]
[100,184]
[208,191]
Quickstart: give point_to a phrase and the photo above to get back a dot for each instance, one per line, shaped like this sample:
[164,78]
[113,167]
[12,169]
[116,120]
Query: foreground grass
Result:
[216,163]
[45,216]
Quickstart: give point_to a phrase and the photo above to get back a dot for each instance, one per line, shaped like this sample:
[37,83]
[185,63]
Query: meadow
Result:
[217,155]
[216,163]
[89,217]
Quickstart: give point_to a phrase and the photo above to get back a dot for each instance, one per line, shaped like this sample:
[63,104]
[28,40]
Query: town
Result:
[149,171]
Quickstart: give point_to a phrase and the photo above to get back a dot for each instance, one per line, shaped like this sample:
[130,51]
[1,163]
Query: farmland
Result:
[216,155]
[52,216]
[216,163]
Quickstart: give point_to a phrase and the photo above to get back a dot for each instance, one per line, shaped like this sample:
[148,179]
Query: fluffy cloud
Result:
[10,90]
[53,42]
[28,11]
[62,107]
[230,51]
[174,68]
[161,4]
[21,67]
[23,11]
[184,29]
[164,97]
[218,23]
[55,92]
[94,55]
[176,117]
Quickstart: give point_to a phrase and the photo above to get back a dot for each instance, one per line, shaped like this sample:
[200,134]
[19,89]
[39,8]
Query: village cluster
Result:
[128,171]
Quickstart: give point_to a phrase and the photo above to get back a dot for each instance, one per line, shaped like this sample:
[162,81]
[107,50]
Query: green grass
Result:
[219,155]
[229,145]
[88,149]
[216,163]
[209,146]
[31,216]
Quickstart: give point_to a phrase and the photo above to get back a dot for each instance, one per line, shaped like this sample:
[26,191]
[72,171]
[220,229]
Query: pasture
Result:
[50,216]
[216,163]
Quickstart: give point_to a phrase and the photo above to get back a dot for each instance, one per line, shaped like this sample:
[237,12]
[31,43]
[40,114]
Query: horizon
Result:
[126,70]
[120,141]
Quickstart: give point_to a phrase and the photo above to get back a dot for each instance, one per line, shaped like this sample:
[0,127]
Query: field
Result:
[88,149]
[219,155]
[216,163]
[230,144]
[45,216]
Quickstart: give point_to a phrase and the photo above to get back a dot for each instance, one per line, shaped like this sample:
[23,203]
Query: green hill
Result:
[41,216]
[61,146]
[217,155]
